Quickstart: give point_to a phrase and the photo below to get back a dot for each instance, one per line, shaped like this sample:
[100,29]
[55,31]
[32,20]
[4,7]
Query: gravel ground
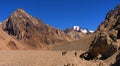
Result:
[42,58]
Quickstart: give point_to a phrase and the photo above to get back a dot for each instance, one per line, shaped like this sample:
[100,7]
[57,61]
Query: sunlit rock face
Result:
[31,30]
[107,37]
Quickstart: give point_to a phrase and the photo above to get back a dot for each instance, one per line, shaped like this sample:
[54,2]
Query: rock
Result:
[85,56]
[106,36]
[12,45]
[76,54]
[99,57]
[64,53]
[69,64]
[102,44]
[113,35]
[117,63]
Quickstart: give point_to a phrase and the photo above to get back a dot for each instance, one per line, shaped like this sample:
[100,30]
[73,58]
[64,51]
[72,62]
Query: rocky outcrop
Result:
[102,45]
[106,41]
[32,31]
[117,63]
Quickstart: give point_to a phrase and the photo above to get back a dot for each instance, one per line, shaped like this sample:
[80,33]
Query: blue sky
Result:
[62,13]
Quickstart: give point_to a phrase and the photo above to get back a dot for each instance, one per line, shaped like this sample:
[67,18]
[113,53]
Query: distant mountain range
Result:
[83,30]
[31,33]
[76,32]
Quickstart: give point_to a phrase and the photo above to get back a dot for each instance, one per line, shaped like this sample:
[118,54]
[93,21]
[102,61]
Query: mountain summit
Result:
[83,30]
[76,32]
[31,30]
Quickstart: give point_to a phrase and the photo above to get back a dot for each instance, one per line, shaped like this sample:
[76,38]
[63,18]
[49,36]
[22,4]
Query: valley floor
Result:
[43,58]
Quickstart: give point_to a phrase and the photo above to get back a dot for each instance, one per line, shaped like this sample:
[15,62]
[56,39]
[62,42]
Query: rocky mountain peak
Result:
[20,10]
[20,13]
[76,32]
[79,29]
[31,30]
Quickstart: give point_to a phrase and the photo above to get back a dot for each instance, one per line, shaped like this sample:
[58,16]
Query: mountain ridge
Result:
[76,32]
[32,31]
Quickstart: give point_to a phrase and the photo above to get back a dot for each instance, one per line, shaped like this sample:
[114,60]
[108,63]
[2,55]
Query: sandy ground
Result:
[82,44]
[42,58]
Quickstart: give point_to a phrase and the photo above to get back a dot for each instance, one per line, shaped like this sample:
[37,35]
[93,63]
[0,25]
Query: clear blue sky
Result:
[62,13]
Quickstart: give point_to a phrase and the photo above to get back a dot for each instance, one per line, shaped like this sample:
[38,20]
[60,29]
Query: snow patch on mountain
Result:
[83,30]
[76,28]
[76,32]
[91,31]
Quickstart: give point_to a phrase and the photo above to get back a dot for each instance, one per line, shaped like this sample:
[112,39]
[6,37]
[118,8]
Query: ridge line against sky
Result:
[62,13]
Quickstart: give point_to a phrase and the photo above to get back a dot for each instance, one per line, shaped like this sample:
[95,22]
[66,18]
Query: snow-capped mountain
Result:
[83,30]
[77,32]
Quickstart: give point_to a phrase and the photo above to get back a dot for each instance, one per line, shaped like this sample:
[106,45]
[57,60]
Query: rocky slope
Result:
[107,37]
[8,43]
[77,32]
[32,31]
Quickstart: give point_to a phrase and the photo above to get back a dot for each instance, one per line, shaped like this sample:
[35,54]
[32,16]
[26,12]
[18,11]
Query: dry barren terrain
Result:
[42,58]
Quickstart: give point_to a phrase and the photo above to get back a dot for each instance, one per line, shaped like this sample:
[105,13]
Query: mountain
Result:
[106,41]
[32,31]
[77,32]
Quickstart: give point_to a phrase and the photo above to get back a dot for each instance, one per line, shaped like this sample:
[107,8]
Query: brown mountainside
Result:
[8,43]
[31,30]
[75,35]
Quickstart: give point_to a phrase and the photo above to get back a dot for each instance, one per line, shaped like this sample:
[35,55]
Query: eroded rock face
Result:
[32,31]
[106,40]
[117,63]
[103,45]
